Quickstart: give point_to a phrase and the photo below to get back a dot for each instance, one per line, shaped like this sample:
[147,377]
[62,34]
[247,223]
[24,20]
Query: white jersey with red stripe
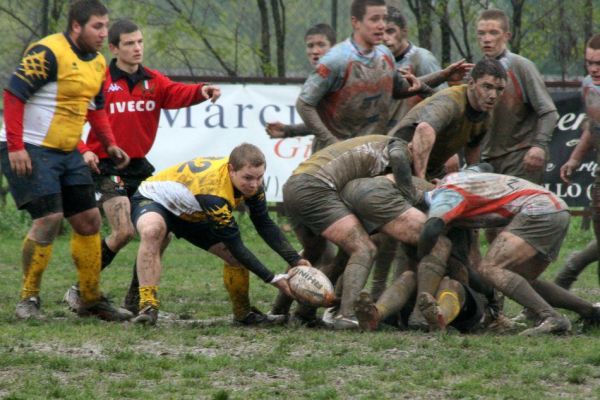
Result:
[485,200]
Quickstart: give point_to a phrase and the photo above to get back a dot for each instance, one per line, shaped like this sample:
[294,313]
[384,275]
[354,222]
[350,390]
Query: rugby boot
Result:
[73,298]
[329,314]
[256,318]
[525,316]
[29,308]
[105,310]
[431,311]
[416,321]
[147,316]
[592,320]
[559,325]
[366,313]
[341,323]
[502,325]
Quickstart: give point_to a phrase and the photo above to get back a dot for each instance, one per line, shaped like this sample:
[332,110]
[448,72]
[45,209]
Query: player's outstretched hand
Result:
[20,162]
[275,130]
[568,168]
[414,83]
[457,71]
[118,155]
[92,160]
[212,92]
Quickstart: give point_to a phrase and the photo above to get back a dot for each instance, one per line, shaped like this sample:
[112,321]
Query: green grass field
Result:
[201,355]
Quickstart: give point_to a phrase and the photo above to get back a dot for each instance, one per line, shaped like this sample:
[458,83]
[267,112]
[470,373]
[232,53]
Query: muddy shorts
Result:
[375,201]
[512,164]
[197,233]
[312,203]
[545,232]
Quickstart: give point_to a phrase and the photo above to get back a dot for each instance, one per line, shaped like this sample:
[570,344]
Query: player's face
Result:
[592,64]
[395,38]
[316,47]
[485,92]
[248,179]
[368,32]
[90,37]
[491,37]
[130,50]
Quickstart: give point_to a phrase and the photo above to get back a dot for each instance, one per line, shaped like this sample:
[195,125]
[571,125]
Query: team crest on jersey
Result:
[146,87]
[114,88]
[35,65]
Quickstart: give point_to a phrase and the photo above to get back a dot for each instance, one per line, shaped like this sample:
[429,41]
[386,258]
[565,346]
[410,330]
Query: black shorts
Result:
[113,182]
[200,234]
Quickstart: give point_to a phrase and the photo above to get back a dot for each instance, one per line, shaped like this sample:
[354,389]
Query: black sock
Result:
[107,254]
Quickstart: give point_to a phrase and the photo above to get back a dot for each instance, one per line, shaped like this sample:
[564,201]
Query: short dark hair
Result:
[358,9]
[82,10]
[488,66]
[120,27]
[496,15]
[594,42]
[395,16]
[322,29]
[246,154]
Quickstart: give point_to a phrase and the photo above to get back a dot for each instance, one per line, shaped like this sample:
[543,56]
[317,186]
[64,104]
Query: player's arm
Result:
[225,228]
[422,143]
[453,72]
[175,95]
[314,123]
[585,144]
[407,85]
[101,126]
[279,130]
[269,231]
[400,164]
[37,68]
[538,97]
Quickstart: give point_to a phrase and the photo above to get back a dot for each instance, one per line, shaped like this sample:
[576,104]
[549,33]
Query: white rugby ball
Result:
[311,286]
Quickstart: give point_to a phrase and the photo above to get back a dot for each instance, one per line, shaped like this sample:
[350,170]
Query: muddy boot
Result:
[29,309]
[559,325]
[576,263]
[366,312]
[147,316]
[431,312]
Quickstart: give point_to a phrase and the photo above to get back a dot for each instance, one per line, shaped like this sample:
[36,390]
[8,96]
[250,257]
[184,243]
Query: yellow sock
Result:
[86,252]
[148,296]
[449,305]
[237,283]
[36,257]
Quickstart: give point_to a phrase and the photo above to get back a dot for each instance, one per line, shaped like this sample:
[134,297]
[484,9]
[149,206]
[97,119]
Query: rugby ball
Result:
[311,286]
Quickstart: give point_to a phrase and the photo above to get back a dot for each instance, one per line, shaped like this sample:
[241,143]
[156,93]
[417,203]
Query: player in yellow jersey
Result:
[195,201]
[54,90]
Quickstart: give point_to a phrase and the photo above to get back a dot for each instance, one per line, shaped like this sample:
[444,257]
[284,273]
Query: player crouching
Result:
[195,201]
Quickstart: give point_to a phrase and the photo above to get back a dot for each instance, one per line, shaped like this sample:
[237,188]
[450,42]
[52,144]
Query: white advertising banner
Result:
[239,116]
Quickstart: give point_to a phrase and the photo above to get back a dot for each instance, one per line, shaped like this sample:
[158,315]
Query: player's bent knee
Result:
[87,222]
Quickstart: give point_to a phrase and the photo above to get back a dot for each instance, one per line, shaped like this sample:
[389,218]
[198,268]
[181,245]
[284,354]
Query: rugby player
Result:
[590,90]
[452,119]
[134,96]
[523,121]
[195,201]
[54,90]
[535,223]
[312,201]
[318,40]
